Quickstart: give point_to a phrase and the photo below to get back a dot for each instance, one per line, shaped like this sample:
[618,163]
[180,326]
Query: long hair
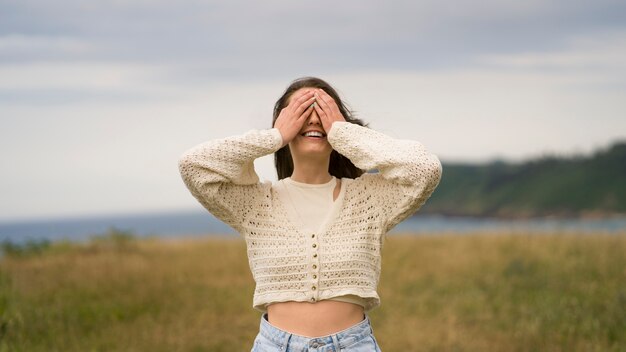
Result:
[339,166]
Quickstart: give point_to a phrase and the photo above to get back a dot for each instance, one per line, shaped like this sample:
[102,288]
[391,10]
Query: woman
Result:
[314,237]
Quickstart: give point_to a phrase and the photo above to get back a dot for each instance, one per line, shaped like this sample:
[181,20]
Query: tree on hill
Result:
[546,186]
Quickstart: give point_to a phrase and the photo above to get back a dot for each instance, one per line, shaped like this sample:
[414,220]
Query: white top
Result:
[343,258]
[310,203]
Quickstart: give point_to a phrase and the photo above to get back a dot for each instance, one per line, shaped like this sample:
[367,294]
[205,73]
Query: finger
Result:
[305,115]
[327,99]
[295,105]
[321,101]
[297,100]
[299,121]
[331,105]
[323,95]
[304,105]
[320,112]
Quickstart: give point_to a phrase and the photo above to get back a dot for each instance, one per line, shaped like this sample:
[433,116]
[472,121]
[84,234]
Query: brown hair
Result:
[340,166]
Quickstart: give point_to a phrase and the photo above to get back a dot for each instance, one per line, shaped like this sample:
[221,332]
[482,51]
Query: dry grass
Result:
[439,293]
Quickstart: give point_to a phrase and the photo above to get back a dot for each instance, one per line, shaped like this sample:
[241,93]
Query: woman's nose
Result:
[313,118]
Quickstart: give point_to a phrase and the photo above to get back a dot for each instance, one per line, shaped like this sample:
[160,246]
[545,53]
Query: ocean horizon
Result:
[194,223]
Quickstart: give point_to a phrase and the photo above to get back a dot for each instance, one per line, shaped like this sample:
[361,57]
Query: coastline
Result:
[564,215]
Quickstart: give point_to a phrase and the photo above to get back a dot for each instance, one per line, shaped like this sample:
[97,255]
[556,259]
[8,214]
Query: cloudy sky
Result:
[99,98]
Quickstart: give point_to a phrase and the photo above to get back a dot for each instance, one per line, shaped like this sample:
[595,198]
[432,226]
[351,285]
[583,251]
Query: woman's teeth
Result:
[313,134]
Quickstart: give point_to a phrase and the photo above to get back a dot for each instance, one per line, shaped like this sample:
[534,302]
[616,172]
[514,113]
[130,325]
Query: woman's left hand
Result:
[327,109]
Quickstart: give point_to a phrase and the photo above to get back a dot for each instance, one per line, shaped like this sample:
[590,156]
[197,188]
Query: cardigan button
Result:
[314,245]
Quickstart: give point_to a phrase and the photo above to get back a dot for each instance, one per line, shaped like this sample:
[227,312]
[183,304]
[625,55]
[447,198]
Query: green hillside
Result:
[548,186]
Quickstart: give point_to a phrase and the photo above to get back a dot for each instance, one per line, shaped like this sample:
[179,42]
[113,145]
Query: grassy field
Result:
[439,293]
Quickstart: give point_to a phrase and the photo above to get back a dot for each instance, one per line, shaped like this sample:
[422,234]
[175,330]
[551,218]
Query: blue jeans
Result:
[357,338]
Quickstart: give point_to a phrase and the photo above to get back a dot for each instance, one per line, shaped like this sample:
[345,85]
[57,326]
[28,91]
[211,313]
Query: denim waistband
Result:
[339,339]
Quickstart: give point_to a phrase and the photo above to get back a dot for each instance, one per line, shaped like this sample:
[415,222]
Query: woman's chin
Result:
[316,140]
[317,151]
[312,149]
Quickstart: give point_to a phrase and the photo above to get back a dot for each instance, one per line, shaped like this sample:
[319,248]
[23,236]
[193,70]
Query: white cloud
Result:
[22,44]
[76,75]
[603,52]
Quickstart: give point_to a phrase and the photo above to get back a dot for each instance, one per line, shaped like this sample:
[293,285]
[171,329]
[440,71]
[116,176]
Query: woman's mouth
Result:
[314,135]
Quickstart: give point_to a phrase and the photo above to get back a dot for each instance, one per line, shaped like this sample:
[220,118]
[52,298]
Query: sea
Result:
[194,223]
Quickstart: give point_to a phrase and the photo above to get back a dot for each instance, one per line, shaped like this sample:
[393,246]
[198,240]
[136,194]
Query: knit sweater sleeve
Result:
[408,173]
[220,173]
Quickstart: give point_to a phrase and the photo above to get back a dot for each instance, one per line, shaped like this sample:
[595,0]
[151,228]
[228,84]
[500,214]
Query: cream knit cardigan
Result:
[344,257]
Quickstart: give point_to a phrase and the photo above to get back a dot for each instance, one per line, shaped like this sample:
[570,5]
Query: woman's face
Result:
[309,146]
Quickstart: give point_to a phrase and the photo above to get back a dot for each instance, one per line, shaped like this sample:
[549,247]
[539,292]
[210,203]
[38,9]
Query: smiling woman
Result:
[340,166]
[314,238]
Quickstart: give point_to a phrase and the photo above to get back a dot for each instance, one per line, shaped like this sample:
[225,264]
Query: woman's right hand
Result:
[293,116]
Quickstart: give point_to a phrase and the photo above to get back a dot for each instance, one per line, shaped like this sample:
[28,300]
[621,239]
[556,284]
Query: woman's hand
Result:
[293,116]
[327,109]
